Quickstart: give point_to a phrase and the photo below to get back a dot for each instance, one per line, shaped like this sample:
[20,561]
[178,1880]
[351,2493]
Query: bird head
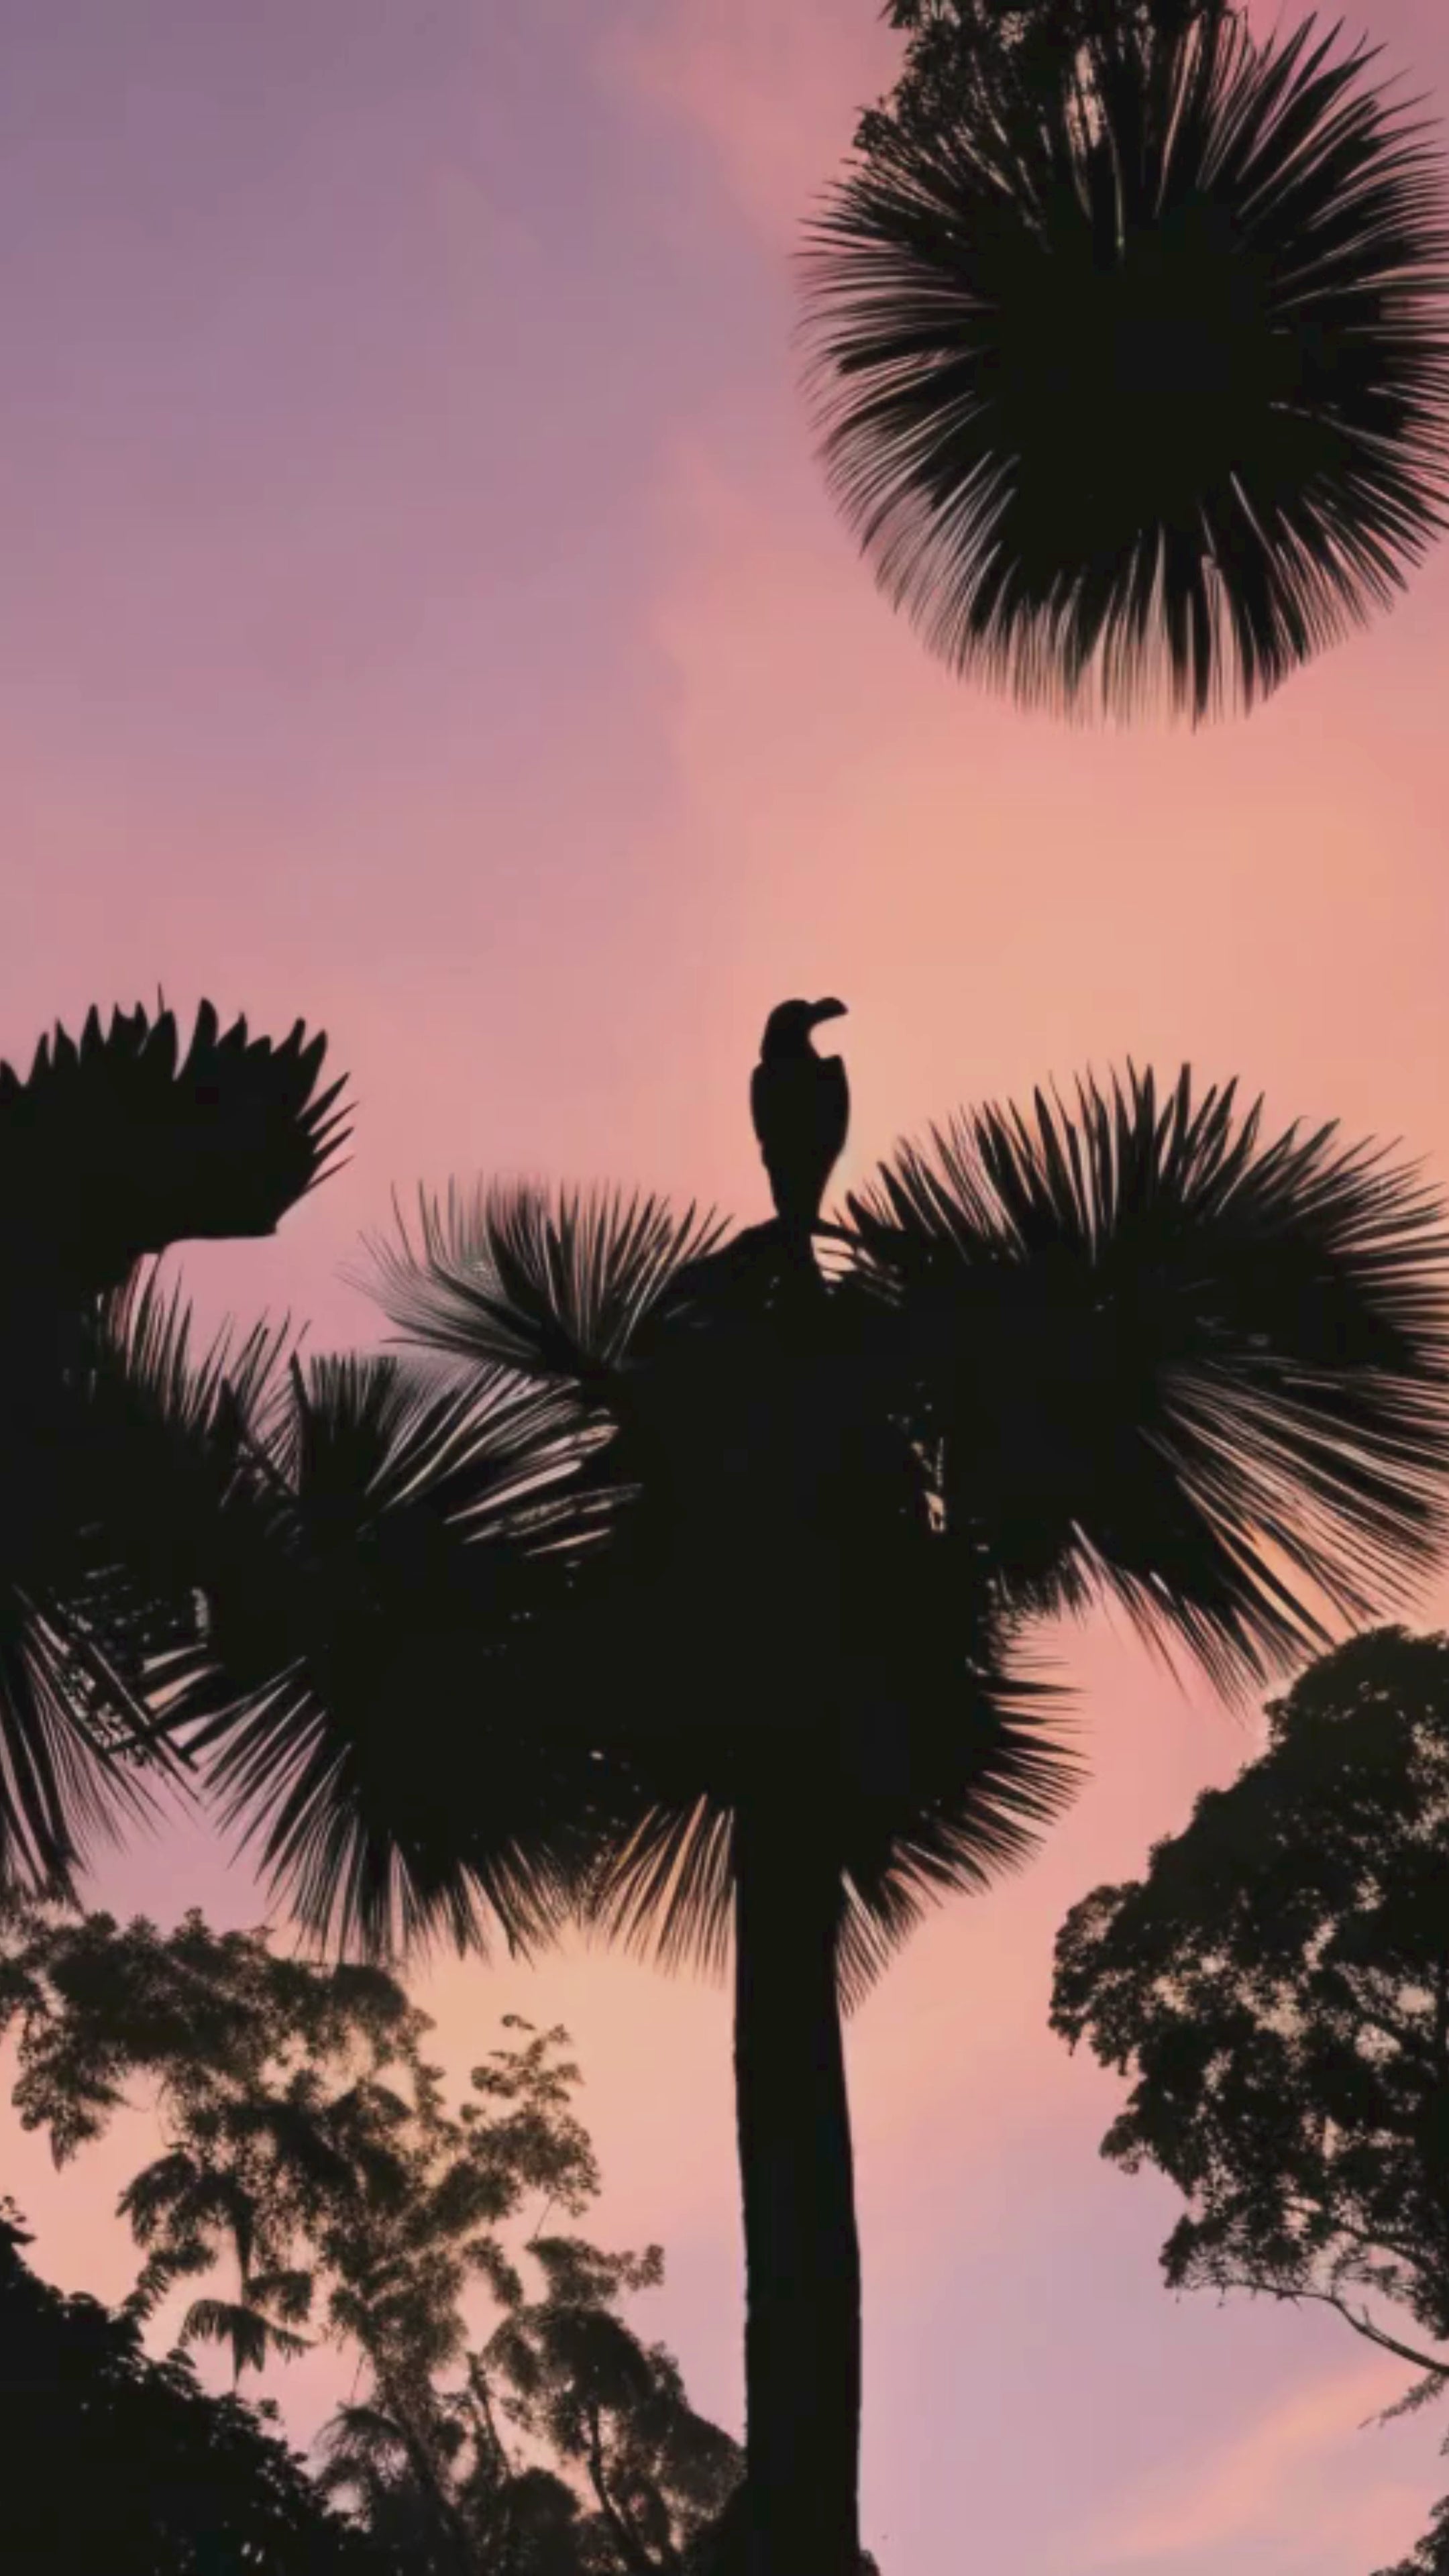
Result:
[787,1030]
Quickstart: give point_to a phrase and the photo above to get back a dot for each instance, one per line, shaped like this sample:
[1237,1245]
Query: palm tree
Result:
[690,1584]
[311,2164]
[1127,345]
[111,1150]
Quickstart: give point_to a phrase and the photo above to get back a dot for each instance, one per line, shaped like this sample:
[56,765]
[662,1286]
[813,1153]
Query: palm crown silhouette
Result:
[687,1593]
[1128,343]
[114,1148]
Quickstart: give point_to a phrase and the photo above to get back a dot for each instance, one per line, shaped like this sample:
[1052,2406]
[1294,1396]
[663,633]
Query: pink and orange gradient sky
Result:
[420,611]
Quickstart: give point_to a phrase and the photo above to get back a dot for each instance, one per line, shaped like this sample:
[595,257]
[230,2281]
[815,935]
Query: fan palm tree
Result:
[112,1149]
[1129,347]
[689,1587]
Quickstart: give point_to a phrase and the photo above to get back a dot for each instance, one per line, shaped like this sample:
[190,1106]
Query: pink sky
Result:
[420,611]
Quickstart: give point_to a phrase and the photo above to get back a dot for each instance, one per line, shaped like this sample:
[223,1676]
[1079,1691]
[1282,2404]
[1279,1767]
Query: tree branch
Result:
[636,2556]
[1362,2324]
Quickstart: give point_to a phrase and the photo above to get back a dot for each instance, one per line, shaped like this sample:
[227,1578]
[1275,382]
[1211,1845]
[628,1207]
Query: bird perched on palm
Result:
[800,1104]
[691,1594]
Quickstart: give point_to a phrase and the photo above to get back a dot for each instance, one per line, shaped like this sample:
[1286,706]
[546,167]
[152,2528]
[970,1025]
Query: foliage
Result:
[959,51]
[113,1148]
[1129,354]
[572,1600]
[684,1560]
[309,2153]
[119,2462]
[1431,2557]
[398,1555]
[117,1145]
[1143,1349]
[1278,1988]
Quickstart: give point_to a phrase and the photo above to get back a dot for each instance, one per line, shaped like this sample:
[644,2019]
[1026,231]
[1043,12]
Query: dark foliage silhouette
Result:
[693,1593]
[1130,356]
[1431,2557]
[314,2184]
[118,2462]
[394,1560]
[117,1145]
[114,1148]
[960,52]
[1278,1988]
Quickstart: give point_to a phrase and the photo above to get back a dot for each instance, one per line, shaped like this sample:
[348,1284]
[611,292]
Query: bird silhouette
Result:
[800,1103]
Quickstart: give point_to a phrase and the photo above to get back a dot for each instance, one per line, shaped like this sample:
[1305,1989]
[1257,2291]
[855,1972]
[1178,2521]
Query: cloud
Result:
[1266,2479]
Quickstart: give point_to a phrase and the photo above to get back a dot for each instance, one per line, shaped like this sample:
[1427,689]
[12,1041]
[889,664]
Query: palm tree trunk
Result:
[802,2258]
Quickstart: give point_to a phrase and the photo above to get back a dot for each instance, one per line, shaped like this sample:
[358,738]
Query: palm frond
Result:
[115,1146]
[159,2192]
[553,1286]
[356,2434]
[388,1585]
[1132,370]
[104,1482]
[59,1791]
[249,2335]
[1167,1357]
[851,1657]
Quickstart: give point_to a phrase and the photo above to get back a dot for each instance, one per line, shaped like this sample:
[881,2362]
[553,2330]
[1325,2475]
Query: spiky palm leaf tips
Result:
[1131,363]
[117,1432]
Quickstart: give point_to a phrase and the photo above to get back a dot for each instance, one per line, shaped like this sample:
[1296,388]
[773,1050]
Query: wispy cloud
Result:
[1252,2485]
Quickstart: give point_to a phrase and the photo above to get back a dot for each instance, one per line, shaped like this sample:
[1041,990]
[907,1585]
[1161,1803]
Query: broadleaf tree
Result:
[1276,1987]
[313,2171]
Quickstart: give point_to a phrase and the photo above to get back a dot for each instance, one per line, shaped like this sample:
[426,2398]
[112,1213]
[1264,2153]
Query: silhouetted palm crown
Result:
[1132,359]
[691,1522]
[687,1588]
[114,1148]
[116,1145]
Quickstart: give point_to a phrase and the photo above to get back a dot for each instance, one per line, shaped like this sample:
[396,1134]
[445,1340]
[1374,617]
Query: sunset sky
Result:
[420,611]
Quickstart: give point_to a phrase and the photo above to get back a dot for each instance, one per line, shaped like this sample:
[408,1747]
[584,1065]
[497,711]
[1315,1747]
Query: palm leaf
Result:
[1168,1358]
[250,2335]
[160,2192]
[356,2435]
[289,2293]
[1132,371]
[115,1146]
[782,1601]
[912,1799]
[386,1580]
[107,1467]
[553,1286]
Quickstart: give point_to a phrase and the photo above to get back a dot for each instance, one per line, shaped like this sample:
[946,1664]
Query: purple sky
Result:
[420,611]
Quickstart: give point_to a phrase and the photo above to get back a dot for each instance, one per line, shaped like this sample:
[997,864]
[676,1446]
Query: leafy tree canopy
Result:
[119,2462]
[1431,2557]
[315,2184]
[957,50]
[1277,1987]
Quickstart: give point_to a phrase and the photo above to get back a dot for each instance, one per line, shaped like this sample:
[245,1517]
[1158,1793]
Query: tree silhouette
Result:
[112,1149]
[114,2461]
[312,2171]
[1278,1988]
[1127,345]
[960,53]
[692,1593]
[1431,2557]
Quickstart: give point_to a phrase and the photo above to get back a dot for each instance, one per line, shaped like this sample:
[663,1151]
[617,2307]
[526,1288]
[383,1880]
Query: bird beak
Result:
[826,1011]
